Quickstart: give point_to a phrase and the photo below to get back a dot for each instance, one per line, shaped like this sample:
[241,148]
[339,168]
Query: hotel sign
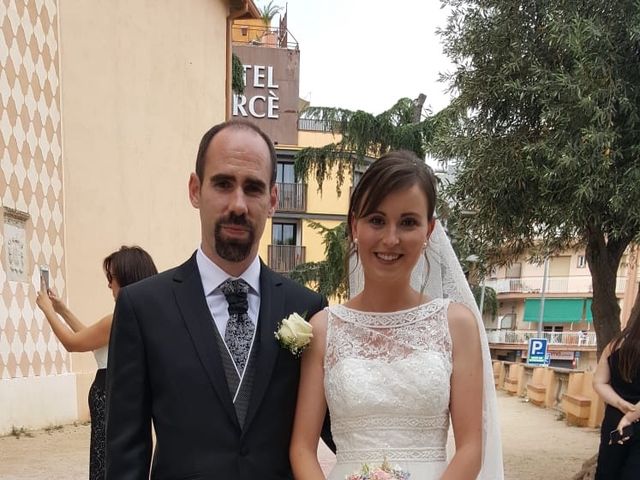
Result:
[270,98]
[258,106]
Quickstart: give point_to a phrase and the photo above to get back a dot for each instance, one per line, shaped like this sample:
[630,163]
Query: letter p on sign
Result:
[537,347]
[537,351]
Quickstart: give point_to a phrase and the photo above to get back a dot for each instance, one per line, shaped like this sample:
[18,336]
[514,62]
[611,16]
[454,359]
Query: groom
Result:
[193,349]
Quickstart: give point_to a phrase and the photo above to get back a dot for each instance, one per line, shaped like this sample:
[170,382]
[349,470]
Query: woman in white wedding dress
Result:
[393,366]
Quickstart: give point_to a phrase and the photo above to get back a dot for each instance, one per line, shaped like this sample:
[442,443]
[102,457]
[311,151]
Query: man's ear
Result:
[194,190]
[273,199]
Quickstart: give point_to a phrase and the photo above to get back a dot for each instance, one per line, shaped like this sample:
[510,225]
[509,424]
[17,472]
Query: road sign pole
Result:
[542,292]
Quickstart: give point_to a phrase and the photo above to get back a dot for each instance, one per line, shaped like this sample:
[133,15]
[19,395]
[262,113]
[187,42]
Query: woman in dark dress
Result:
[123,267]
[617,381]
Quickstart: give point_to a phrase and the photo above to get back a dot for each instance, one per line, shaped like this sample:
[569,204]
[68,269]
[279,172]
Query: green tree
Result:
[364,135]
[329,275]
[237,75]
[545,133]
[268,12]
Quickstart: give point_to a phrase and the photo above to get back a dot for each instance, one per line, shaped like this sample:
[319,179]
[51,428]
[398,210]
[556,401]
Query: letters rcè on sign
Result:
[268,103]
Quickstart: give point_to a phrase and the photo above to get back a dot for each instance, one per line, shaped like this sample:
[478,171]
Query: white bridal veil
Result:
[442,277]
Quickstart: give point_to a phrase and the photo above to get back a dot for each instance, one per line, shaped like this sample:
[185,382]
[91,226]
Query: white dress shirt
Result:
[213,276]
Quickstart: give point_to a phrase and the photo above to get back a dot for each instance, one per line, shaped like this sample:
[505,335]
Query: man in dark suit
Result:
[193,349]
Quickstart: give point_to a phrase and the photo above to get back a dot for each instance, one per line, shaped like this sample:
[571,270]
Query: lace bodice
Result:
[387,379]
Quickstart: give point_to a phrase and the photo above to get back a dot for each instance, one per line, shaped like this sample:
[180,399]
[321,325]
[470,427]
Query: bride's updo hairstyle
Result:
[395,171]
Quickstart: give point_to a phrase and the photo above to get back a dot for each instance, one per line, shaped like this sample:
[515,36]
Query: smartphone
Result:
[615,437]
[44,277]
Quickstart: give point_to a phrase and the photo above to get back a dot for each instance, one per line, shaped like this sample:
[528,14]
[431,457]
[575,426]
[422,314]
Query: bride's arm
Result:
[466,395]
[311,406]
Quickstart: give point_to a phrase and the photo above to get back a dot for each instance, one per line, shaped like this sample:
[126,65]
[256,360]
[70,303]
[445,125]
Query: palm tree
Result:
[268,12]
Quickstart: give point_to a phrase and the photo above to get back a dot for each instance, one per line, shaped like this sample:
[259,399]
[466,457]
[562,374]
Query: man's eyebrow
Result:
[256,182]
[221,176]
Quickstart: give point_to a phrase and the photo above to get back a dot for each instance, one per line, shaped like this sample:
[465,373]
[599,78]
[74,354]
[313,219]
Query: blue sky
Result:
[367,54]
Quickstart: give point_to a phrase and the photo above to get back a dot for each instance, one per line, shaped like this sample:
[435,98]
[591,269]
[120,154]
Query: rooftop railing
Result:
[263,36]
[314,125]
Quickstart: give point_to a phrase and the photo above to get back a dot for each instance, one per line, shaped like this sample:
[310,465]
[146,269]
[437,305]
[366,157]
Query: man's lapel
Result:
[197,318]
[271,312]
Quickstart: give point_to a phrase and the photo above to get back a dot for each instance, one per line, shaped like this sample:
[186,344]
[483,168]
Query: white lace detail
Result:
[386,422]
[442,277]
[388,336]
[427,454]
[387,383]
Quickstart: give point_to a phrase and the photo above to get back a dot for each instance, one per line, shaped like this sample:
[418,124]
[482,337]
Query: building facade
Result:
[103,107]
[556,303]
[271,60]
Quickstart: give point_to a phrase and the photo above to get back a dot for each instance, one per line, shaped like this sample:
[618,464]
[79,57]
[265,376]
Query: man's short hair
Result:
[239,124]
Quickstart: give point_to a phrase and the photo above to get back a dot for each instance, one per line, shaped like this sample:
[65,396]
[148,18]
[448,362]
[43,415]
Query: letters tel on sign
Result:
[270,98]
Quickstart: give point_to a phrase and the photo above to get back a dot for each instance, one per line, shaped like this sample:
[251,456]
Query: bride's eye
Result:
[409,222]
[376,220]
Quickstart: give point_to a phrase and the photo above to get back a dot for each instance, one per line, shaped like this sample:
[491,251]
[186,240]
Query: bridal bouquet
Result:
[383,472]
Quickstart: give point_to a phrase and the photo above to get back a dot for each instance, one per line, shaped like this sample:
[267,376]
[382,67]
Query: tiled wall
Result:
[31,231]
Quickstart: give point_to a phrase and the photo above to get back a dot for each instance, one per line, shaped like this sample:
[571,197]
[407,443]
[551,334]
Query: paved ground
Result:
[536,445]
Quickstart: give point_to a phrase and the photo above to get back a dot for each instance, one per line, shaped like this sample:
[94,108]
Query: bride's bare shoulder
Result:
[462,321]
[319,321]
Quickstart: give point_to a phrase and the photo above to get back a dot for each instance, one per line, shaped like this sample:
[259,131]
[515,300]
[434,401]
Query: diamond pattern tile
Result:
[30,182]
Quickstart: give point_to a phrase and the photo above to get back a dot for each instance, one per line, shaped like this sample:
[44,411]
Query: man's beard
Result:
[234,250]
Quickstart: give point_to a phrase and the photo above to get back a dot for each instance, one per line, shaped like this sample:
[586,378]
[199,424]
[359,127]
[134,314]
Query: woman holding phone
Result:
[617,381]
[123,267]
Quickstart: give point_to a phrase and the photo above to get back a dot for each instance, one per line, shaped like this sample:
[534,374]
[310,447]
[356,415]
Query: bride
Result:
[397,363]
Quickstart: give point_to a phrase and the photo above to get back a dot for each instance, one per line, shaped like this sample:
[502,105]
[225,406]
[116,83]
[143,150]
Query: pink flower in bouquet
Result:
[381,475]
[383,472]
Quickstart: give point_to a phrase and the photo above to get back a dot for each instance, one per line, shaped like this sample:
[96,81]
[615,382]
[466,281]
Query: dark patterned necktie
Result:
[239,332]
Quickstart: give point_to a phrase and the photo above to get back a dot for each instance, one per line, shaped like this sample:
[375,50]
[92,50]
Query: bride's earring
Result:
[355,244]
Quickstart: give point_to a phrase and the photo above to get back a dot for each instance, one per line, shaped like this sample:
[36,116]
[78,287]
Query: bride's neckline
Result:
[397,318]
[392,312]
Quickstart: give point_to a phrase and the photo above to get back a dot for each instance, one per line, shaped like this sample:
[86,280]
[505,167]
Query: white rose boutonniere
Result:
[294,333]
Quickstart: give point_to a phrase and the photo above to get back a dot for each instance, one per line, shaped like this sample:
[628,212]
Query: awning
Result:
[558,310]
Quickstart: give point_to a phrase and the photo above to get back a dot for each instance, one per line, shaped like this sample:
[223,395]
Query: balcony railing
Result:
[284,258]
[587,339]
[575,284]
[316,125]
[274,37]
[292,197]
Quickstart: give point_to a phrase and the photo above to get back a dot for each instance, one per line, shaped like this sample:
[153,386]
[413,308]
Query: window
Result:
[553,328]
[514,271]
[554,333]
[284,234]
[559,266]
[582,261]
[285,173]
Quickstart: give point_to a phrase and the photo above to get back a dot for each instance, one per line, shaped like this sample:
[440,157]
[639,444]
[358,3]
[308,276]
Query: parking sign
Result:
[537,353]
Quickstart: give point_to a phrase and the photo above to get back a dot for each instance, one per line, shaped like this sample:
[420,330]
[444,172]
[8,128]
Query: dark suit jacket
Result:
[164,365]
